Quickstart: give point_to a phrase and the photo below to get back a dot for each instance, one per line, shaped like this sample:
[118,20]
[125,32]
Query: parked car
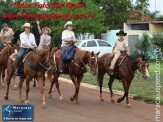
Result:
[95,45]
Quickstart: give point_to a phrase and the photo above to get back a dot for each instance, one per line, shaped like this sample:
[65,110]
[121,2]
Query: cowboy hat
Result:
[5,24]
[121,32]
[26,25]
[68,23]
[47,29]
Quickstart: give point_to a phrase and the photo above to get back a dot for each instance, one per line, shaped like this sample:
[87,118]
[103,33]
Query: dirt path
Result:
[89,109]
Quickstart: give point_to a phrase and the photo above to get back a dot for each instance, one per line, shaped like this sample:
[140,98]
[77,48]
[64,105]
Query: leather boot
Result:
[17,69]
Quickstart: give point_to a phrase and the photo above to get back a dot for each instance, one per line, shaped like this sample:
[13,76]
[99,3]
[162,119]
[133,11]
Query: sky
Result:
[154,5]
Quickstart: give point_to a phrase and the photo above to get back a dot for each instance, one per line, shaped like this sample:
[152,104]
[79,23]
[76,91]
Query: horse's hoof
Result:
[112,100]
[5,97]
[119,100]
[21,100]
[129,105]
[44,106]
[101,99]
[15,87]
[44,87]
[50,96]
[26,102]
[71,98]
[77,102]
[61,99]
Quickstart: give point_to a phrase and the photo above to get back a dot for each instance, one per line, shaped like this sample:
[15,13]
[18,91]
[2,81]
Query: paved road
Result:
[89,109]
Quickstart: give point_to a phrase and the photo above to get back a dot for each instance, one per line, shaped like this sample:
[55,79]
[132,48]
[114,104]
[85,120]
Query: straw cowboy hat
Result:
[68,23]
[26,25]
[121,32]
[47,29]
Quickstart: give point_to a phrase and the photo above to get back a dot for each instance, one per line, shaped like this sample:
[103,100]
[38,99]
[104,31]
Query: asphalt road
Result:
[89,109]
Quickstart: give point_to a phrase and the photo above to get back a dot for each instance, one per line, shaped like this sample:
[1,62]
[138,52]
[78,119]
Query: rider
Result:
[6,35]
[121,46]
[68,37]
[27,42]
[45,39]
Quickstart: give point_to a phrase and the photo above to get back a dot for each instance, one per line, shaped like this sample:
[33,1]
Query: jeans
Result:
[1,45]
[22,52]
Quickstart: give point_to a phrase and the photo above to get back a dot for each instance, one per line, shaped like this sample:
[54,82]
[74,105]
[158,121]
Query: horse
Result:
[4,55]
[35,65]
[125,68]
[77,68]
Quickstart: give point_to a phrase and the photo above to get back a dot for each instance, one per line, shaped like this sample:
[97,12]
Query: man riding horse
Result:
[27,42]
[121,46]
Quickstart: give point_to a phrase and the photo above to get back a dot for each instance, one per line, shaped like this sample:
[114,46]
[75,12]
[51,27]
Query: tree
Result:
[138,5]
[81,25]
[143,46]
[157,40]
[116,11]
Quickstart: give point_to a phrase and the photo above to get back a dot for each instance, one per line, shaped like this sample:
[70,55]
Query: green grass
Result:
[143,89]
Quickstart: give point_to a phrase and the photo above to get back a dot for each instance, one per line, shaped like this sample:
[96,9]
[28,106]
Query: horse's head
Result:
[50,60]
[93,62]
[13,48]
[143,67]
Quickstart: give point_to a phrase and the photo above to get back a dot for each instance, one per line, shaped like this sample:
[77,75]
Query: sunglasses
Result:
[120,34]
[70,25]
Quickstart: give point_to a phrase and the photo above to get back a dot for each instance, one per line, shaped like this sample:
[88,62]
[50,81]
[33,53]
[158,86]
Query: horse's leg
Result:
[73,78]
[127,101]
[20,87]
[15,85]
[44,81]
[28,79]
[34,83]
[8,80]
[100,78]
[77,94]
[125,91]
[111,80]
[3,75]
[51,85]
[40,80]
[59,92]
[0,76]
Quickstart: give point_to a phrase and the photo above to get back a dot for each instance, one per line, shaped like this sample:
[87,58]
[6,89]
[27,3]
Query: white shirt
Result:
[66,34]
[29,41]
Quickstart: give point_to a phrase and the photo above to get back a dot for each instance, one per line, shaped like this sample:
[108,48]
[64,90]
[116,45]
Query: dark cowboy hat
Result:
[121,32]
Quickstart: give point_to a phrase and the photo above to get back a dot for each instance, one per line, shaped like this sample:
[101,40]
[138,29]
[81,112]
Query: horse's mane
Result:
[131,59]
[79,55]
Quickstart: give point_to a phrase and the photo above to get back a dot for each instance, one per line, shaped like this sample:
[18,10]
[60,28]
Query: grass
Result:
[143,89]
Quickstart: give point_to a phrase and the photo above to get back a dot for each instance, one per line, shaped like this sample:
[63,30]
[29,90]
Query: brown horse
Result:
[4,55]
[125,68]
[77,68]
[35,65]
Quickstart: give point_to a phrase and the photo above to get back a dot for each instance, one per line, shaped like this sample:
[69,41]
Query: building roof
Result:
[136,16]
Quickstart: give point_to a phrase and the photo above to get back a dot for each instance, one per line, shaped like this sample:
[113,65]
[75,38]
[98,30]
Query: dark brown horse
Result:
[4,55]
[125,68]
[77,68]
[35,65]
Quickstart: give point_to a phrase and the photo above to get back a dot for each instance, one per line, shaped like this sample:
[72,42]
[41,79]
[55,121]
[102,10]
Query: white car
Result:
[95,45]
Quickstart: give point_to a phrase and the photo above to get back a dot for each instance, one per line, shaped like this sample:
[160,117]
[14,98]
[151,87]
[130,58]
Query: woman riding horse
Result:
[27,42]
[68,37]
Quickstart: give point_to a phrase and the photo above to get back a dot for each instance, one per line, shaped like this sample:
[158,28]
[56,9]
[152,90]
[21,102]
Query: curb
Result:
[89,86]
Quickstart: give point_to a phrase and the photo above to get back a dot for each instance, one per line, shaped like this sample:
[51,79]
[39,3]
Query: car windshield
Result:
[76,44]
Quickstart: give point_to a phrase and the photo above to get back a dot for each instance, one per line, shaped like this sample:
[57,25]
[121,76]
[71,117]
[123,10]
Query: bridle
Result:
[89,63]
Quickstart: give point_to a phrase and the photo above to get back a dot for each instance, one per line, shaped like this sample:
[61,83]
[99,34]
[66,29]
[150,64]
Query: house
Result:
[135,27]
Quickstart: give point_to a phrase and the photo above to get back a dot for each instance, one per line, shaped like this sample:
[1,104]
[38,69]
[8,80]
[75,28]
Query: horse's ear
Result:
[143,57]
[92,53]
[98,53]
[147,58]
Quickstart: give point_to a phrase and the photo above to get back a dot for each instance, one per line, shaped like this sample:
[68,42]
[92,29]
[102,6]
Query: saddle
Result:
[21,66]
[117,67]
[65,63]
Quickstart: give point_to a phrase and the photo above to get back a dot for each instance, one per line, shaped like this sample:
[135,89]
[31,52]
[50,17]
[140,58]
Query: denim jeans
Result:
[1,45]
[21,53]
